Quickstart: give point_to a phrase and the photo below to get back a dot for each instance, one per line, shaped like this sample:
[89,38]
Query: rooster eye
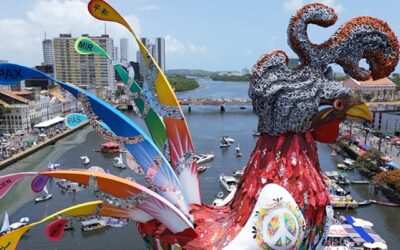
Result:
[338,104]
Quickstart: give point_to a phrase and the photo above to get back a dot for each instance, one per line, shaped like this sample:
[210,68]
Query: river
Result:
[207,126]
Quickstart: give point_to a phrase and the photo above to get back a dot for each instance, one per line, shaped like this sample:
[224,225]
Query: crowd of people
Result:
[15,143]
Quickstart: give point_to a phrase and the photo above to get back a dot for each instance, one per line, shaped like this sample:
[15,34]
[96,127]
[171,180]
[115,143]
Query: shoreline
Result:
[19,195]
[21,155]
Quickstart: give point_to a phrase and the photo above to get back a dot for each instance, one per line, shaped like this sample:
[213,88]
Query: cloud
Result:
[173,45]
[53,17]
[293,5]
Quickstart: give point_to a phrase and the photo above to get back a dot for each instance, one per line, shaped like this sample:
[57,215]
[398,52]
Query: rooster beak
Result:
[359,112]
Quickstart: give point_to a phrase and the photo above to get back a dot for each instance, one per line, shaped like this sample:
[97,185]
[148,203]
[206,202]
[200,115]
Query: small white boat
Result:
[203,158]
[237,151]
[224,144]
[22,222]
[256,133]
[349,162]
[333,153]
[44,197]
[85,160]
[93,224]
[118,162]
[227,139]
[228,182]
[238,174]
[6,225]
[201,168]
[52,166]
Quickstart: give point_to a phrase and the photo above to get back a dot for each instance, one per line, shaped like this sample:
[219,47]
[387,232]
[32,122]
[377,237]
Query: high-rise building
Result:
[115,54]
[159,53]
[123,44]
[48,55]
[91,71]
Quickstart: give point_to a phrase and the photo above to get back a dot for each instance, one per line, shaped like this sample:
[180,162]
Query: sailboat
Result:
[52,166]
[85,159]
[118,162]
[237,151]
[6,225]
[45,197]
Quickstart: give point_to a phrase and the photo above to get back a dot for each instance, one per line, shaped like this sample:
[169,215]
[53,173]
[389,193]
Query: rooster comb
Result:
[285,99]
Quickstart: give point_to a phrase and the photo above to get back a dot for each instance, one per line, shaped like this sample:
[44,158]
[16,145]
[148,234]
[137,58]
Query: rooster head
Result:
[306,98]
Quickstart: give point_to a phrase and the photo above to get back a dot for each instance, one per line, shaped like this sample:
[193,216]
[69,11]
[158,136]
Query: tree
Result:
[3,110]
[119,92]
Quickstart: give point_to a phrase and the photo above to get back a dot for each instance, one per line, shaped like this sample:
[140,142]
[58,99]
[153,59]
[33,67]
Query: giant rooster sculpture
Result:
[281,201]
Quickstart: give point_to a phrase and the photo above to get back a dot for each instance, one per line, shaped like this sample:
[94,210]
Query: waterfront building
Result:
[43,83]
[48,53]
[93,71]
[123,44]
[27,108]
[382,89]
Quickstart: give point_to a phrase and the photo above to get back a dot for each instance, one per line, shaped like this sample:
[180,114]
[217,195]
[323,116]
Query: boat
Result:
[69,225]
[337,177]
[224,144]
[22,222]
[238,173]
[386,203]
[359,182]
[69,186]
[203,158]
[343,166]
[52,166]
[45,197]
[228,182]
[349,162]
[85,159]
[201,168]
[237,152]
[92,224]
[343,202]
[256,133]
[227,139]
[118,162]
[6,225]
[110,148]
[333,153]
[365,203]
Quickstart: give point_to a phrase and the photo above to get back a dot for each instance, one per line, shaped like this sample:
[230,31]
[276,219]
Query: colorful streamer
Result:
[179,138]
[155,125]
[145,152]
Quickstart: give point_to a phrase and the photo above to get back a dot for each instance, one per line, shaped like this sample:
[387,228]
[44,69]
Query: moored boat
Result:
[118,162]
[85,159]
[110,148]
[44,197]
[92,224]
[203,158]
[228,182]
[227,139]
[386,203]
[359,182]
[22,222]
[237,151]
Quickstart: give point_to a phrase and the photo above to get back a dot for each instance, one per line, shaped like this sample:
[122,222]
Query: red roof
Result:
[110,145]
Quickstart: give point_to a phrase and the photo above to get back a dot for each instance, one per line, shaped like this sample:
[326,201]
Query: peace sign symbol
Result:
[280,229]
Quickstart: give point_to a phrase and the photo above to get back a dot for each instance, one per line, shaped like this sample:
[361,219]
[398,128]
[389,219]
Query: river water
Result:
[207,126]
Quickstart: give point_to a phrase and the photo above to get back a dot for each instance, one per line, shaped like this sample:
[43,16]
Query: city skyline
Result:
[227,36]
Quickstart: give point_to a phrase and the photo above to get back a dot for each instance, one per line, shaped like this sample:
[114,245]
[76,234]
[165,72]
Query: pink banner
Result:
[7,181]
[55,230]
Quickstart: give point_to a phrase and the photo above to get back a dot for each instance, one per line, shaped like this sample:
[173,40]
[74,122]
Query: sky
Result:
[208,34]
